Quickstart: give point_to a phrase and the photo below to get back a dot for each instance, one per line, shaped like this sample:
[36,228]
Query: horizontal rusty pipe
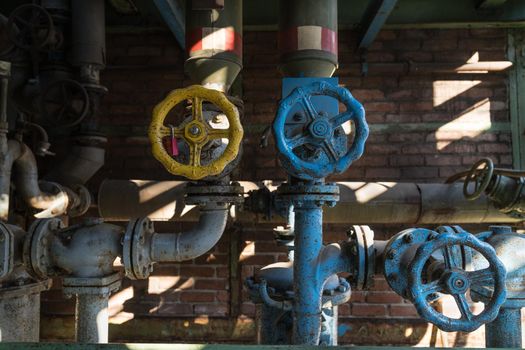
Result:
[360,203]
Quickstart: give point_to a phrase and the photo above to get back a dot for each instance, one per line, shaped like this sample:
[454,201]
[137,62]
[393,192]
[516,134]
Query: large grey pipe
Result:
[360,203]
[191,244]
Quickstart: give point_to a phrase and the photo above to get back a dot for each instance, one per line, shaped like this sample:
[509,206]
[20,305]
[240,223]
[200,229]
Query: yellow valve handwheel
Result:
[197,133]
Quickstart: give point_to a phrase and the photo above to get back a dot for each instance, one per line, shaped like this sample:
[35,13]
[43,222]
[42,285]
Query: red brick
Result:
[443,160]
[368,310]
[493,148]
[383,173]
[403,310]
[383,298]
[213,284]
[197,271]
[197,296]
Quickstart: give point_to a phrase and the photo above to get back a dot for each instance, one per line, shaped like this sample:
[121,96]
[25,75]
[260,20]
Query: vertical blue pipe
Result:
[307,288]
[505,330]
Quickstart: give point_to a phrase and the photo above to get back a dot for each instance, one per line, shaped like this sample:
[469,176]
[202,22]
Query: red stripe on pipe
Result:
[329,40]
[218,39]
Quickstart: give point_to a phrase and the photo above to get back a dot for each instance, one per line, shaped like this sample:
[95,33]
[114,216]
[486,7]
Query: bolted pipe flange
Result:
[103,286]
[84,201]
[303,194]
[222,195]
[361,239]
[37,258]
[396,251]
[136,249]
[7,251]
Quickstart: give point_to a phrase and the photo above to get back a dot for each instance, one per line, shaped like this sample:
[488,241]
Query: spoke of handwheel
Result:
[311,113]
[329,150]
[297,141]
[218,133]
[195,154]
[449,258]
[23,21]
[480,277]
[432,287]
[464,308]
[61,112]
[165,131]
[196,109]
[341,118]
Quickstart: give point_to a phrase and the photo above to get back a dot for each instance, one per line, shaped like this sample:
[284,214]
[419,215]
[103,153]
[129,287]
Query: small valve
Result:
[422,265]
[197,134]
[316,151]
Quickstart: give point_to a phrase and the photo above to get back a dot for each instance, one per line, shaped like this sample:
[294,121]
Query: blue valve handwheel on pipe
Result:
[456,282]
[319,132]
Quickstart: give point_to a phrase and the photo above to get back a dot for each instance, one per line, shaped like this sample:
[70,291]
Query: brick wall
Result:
[424,127]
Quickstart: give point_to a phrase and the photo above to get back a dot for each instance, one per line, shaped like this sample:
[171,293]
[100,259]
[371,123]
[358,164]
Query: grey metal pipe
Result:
[360,203]
[81,163]
[27,185]
[20,157]
[505,330]
[90,251]
[88,42]
[7,159]
[92,318]
[193,243]
[19,312]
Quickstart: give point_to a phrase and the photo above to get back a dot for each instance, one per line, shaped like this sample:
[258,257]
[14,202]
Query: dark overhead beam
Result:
[487,4]
[375,17]
[172,12]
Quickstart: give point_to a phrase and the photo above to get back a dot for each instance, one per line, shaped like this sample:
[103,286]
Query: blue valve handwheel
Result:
[456,282]
[319,132]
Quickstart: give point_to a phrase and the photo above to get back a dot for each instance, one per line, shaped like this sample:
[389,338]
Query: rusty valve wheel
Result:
[454,280]
[197,133]
[64,103]
[480,175]
[30,27]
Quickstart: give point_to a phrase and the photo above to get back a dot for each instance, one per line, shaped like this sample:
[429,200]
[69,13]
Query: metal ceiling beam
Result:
[375,17]
[488,4]
[172,11]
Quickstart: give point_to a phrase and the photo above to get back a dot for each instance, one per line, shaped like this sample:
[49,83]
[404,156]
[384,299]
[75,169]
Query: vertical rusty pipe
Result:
[307,289]
[505,330]
[91,318]
[214,44]
[308,38]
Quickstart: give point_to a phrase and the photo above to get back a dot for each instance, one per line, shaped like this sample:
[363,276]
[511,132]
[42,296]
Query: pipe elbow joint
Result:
[86,251]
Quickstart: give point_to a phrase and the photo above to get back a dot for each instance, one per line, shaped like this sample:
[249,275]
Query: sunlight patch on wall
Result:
[116,306]
[471,123]
[446,90]
[248,251]
[161,284]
